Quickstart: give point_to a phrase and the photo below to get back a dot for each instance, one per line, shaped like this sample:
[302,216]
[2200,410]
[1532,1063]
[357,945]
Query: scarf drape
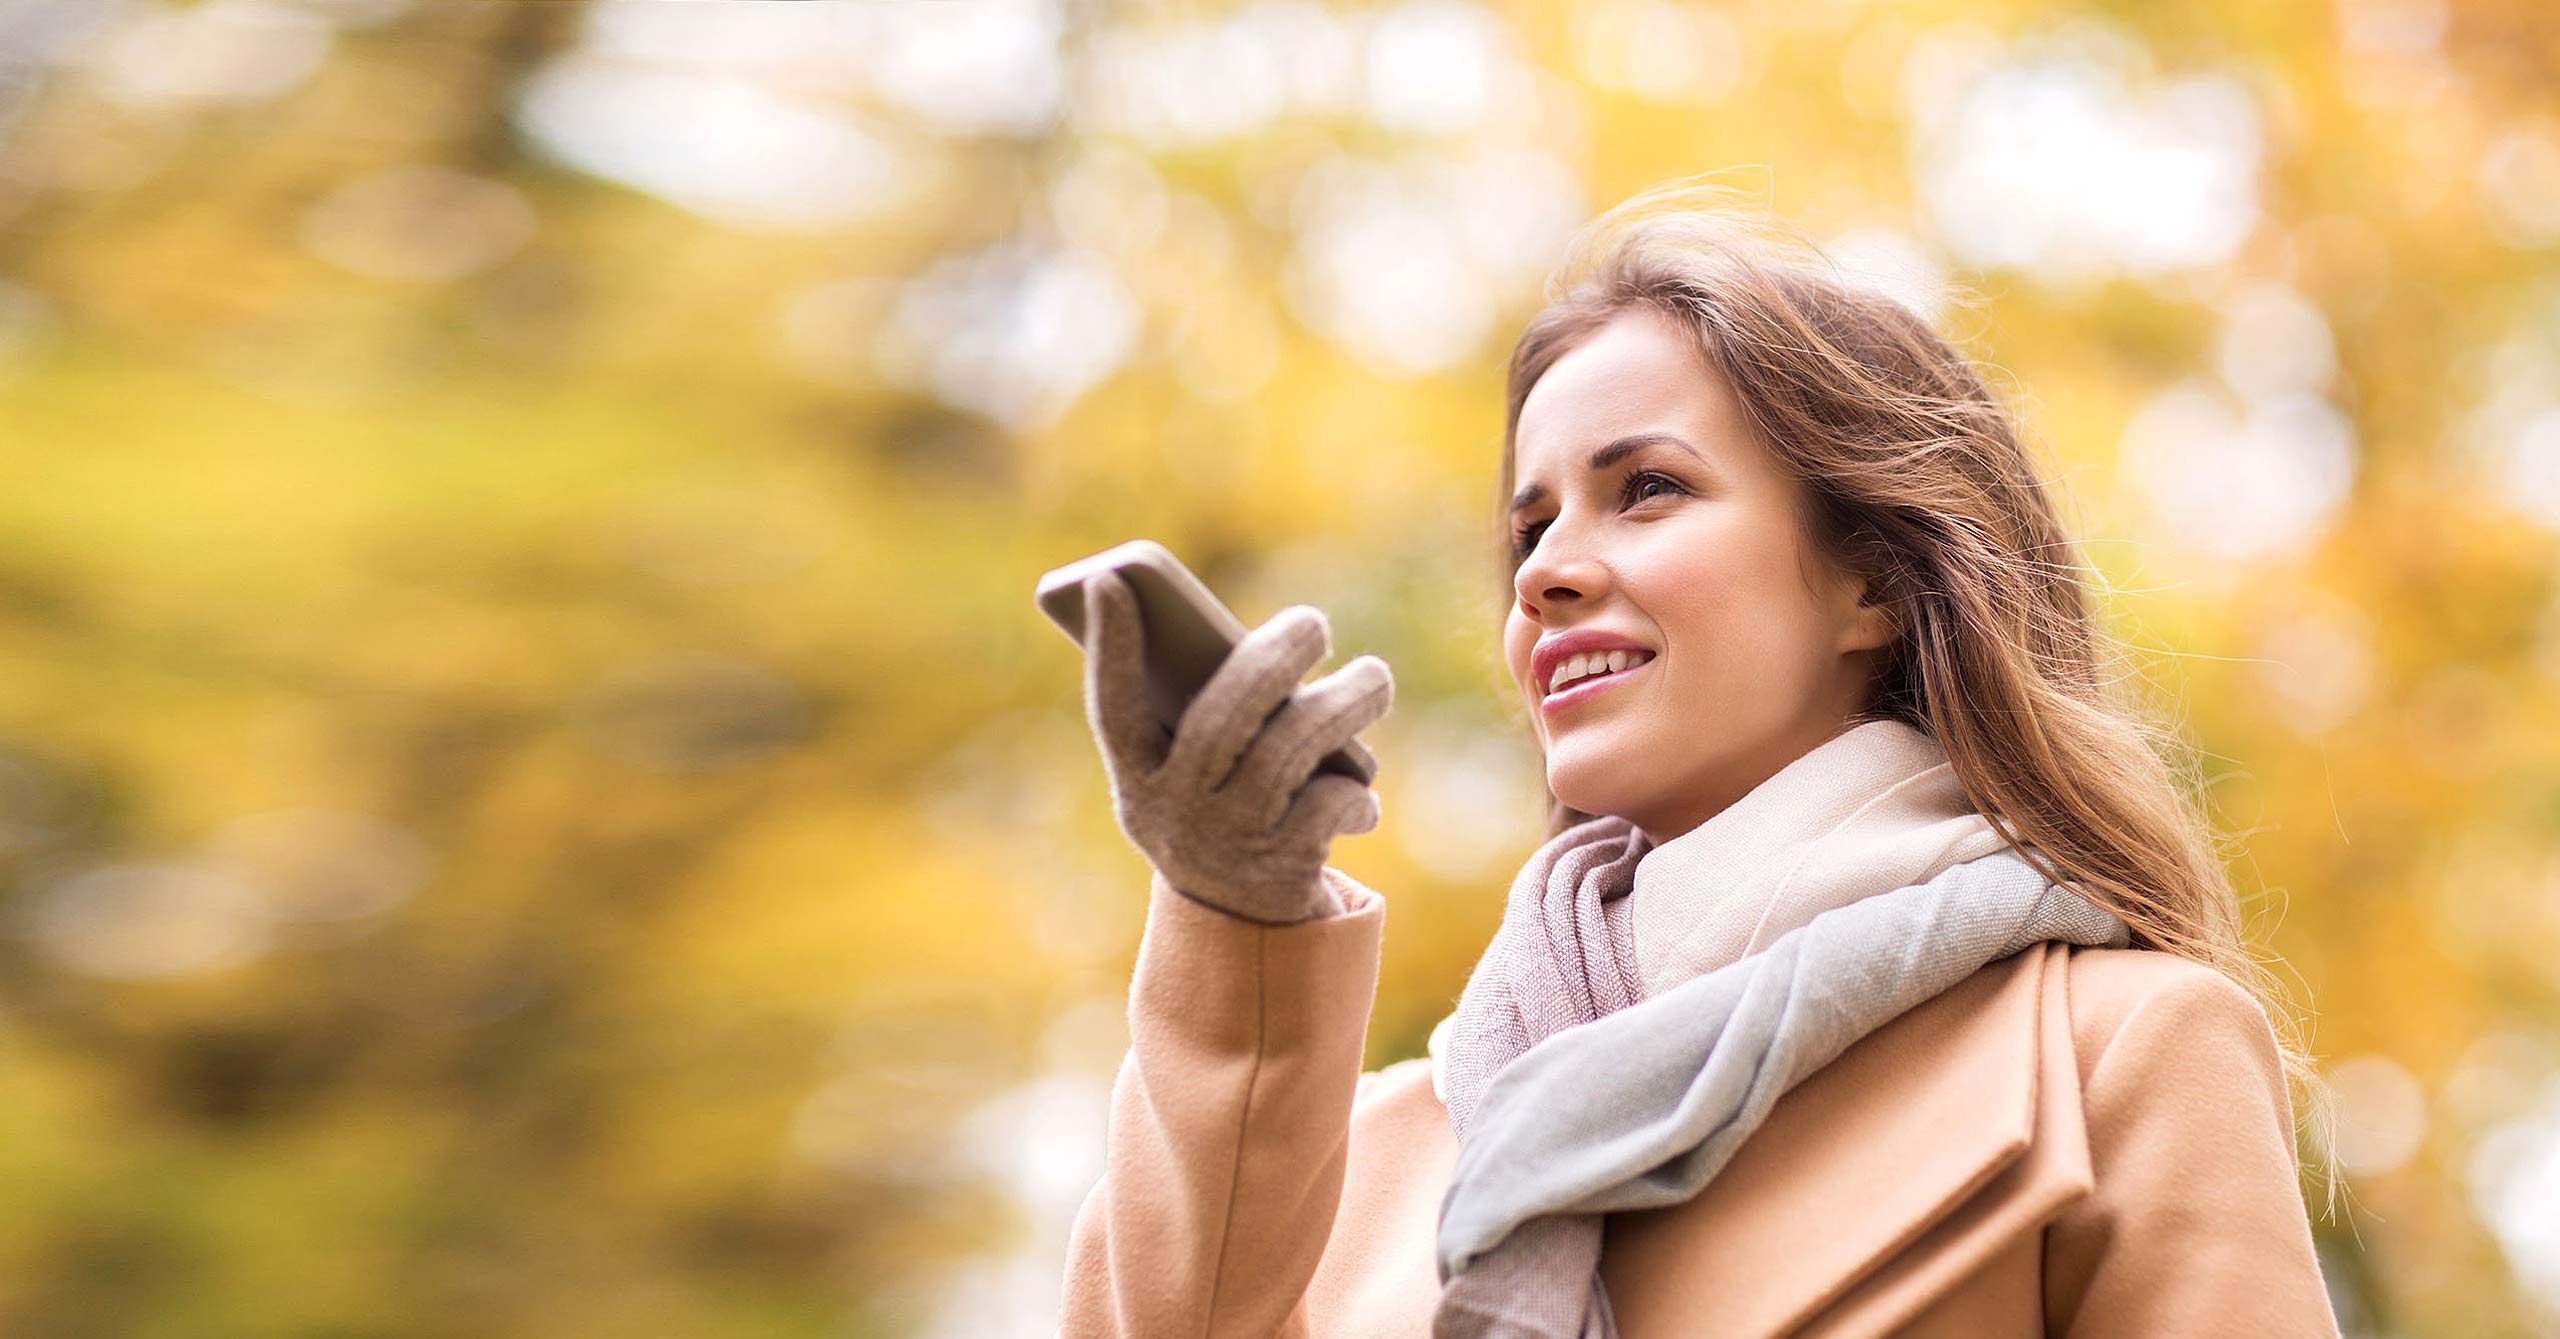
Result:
[1640,1008]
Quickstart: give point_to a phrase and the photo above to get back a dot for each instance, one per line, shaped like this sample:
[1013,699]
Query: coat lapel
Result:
[1958,1123]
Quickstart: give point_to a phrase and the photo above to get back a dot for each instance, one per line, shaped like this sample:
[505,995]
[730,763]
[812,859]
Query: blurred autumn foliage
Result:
[534,798]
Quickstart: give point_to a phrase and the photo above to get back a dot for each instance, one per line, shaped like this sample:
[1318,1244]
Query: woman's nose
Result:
[1554,573]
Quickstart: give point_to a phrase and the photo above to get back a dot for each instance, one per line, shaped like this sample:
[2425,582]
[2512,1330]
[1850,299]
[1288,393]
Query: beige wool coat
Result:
[2077,1142]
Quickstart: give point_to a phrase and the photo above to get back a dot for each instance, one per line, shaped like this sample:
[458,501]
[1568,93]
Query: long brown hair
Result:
[1915,475]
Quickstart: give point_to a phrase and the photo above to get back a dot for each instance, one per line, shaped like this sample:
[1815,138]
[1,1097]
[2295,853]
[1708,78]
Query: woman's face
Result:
[1689,548]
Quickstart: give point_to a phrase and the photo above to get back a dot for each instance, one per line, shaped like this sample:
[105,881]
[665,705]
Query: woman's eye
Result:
[1526,537]
[1638,480]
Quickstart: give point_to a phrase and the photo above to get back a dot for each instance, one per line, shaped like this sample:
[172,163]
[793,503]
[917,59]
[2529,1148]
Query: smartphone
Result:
[1189,633]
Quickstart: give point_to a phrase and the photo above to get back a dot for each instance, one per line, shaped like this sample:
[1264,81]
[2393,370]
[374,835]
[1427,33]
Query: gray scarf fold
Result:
[1573,1096]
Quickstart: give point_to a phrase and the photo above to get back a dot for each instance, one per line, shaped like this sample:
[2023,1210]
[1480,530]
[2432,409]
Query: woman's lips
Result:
[1555,702]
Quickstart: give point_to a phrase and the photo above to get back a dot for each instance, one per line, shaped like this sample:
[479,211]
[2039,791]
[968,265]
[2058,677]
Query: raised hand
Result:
[1229,807]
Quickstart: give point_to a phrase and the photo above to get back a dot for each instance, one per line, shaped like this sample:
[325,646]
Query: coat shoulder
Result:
[2196,1222]
[2116,993]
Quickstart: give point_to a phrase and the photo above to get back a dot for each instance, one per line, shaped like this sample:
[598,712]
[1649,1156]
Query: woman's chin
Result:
[1589,784]
[1593,747]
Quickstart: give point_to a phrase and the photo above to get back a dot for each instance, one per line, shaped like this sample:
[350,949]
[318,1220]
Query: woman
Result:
[1875,977]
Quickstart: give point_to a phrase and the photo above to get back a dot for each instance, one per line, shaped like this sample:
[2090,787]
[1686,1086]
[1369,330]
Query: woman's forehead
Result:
[1639,374]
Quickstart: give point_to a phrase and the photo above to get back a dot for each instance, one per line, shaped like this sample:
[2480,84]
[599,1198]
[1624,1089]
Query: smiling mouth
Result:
[1591,686]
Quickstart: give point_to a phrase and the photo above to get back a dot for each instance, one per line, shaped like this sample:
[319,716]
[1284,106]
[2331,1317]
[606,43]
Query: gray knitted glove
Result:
[1230,808]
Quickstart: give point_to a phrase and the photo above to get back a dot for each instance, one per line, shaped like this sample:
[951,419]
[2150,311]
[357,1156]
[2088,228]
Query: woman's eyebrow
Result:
[1607,456]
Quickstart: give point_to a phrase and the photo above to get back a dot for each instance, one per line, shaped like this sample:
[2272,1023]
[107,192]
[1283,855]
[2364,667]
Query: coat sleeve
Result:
[2196,1223]
[1230,1122]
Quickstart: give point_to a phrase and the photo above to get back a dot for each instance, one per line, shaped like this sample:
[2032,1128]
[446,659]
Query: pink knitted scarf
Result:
[1564,955]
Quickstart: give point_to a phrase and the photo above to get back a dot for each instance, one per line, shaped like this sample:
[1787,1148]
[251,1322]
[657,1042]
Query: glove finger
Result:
[1319,718]
[1324,808]
[1254,681]
[1364,817]
[1116,706]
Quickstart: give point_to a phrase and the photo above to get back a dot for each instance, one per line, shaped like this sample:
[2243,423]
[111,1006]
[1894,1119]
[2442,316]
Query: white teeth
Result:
[1589,663]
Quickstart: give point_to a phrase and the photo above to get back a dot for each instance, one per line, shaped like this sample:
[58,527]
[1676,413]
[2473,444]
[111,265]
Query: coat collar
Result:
[1879,1182]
